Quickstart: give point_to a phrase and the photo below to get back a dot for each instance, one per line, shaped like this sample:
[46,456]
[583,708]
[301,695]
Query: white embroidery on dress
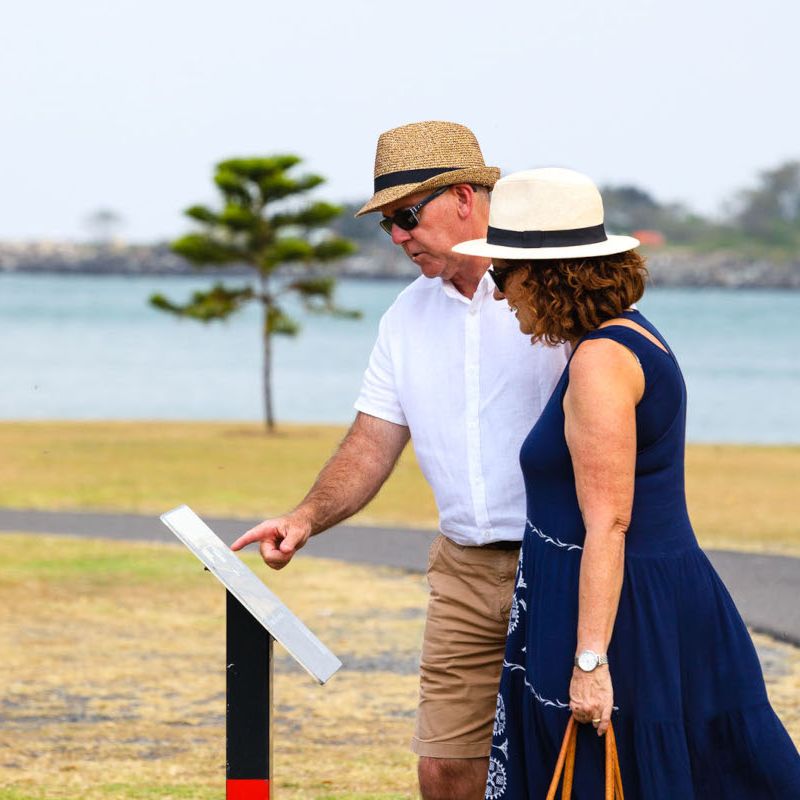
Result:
[550,540]
[499,717]
[496,781]
[543,700]
[520,575]
[503,748]
[513,619]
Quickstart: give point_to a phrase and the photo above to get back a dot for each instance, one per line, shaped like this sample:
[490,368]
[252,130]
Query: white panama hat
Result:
[543,214]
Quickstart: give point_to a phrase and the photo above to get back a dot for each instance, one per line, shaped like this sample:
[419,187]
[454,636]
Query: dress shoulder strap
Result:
[634,340]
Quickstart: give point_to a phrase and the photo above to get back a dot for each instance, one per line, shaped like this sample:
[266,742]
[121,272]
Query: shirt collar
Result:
[485,287]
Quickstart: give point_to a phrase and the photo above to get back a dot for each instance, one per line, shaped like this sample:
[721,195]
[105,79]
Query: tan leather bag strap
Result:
[566,765]
[613,774]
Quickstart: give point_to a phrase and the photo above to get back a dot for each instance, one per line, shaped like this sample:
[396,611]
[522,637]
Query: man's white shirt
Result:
[469,386]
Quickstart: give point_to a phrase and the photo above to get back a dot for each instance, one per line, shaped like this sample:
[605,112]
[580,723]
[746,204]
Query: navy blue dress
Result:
[691,716]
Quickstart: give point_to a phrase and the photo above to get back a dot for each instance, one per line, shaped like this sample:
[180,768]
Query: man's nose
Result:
[399,236]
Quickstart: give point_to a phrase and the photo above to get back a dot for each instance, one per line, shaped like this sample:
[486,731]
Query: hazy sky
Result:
[127,105]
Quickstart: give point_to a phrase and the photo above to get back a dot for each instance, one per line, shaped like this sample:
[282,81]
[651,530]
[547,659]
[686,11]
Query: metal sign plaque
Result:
[243,584]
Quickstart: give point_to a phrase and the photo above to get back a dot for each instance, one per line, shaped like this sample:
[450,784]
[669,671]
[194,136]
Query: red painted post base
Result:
[247,790]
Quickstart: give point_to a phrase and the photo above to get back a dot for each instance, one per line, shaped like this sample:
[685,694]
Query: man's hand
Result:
[279,539]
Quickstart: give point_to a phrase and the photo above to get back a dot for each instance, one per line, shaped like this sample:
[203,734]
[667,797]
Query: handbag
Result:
[566,764]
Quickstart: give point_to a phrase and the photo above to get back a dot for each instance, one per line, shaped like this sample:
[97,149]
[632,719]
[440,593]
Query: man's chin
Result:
[429,267]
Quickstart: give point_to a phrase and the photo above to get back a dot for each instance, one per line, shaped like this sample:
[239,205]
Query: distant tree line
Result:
[764,218]
[761,220]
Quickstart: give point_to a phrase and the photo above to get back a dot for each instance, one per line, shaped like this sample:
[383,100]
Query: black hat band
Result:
[404,176]
[534,239]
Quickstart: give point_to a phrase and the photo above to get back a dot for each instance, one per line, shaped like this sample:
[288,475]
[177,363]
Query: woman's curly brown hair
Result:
[570,297]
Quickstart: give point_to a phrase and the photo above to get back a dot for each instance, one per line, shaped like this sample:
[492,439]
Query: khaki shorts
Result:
[462,652]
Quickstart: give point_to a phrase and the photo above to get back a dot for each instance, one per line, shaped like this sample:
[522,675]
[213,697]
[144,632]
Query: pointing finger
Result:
[256,534]
[244,540]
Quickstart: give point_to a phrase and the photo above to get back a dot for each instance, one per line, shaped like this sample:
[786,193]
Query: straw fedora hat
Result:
[422,157]
[546,213]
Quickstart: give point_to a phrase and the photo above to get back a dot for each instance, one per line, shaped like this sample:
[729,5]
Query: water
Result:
[86,347]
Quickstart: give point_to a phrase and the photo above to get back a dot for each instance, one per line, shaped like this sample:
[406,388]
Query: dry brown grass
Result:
[112,681]
[745,497]
[739,497]
[112,676]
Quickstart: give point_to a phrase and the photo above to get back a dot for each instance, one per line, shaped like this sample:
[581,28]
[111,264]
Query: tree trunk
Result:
[266,341]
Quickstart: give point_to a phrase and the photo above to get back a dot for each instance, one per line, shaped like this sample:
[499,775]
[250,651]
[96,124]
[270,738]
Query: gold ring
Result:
[597,720]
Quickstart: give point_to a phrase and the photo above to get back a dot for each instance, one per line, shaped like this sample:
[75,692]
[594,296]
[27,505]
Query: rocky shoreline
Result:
[668,267]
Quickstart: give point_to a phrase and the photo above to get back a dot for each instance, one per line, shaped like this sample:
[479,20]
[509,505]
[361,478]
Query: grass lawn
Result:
[112,680]
[227,469]
[740,497]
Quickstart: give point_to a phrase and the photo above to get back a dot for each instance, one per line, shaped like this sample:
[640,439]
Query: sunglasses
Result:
[500,276]
[406,218]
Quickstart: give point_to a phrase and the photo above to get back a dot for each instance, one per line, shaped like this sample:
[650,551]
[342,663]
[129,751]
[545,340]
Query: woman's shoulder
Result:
[599,365]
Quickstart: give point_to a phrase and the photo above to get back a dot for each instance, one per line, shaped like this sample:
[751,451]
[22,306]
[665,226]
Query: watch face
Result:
[587,660]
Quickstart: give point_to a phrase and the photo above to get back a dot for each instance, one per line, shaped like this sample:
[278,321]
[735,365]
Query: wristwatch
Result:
[588,660]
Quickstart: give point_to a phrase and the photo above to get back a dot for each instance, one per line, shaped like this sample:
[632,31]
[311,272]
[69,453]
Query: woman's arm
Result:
[605,384]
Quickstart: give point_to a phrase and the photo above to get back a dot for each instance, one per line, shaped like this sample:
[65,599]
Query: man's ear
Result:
[465,199]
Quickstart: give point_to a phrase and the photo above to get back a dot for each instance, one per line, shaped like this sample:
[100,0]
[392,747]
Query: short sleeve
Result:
[378,396]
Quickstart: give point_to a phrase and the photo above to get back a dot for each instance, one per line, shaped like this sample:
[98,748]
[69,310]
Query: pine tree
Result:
[281,242]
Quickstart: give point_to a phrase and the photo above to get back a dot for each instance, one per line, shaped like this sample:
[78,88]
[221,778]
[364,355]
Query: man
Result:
[451,371]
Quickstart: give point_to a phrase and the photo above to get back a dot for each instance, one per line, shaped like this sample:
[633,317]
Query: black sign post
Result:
[254,617]
[248,718]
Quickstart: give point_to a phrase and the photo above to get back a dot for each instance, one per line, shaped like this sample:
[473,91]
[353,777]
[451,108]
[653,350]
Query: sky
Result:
[128,105]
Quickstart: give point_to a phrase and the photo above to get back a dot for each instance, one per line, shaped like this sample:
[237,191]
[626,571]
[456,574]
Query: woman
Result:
[617,612]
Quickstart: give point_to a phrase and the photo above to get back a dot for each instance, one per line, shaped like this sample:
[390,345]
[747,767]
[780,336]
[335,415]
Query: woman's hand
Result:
[591,697]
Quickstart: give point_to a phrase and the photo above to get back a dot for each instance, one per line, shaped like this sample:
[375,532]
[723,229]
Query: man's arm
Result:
[350,479]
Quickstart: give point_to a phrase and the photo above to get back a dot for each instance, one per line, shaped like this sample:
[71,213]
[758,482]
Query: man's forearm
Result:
[354,474]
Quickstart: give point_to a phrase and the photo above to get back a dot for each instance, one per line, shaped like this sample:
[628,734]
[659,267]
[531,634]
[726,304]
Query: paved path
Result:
[766,588]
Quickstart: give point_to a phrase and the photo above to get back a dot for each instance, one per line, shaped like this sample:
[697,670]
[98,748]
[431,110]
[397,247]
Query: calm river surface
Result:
[86,347]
